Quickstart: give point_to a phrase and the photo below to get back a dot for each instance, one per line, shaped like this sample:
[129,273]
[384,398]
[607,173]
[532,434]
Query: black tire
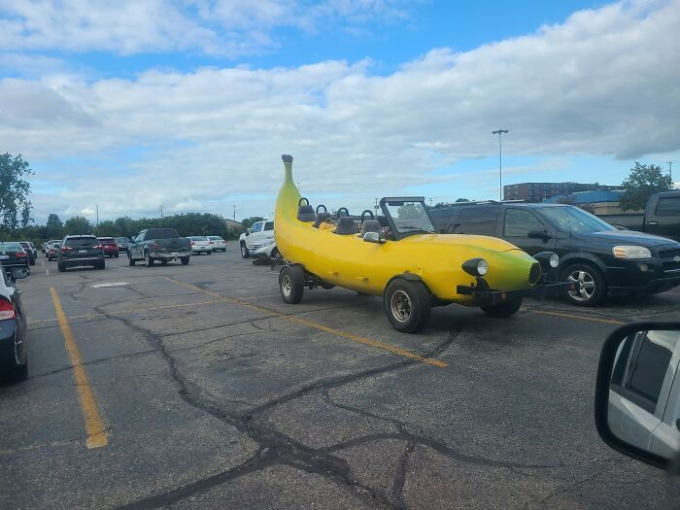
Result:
[131,261]
[32,262]
[101,265]
[164,262]
[407,305]
[116,255]
[275,255]
[292,284]
[224,250]
[61,268]
[591,287]
[503,310]
[17,358]
[208,252]
[148,261]
[184,260]
[244,251]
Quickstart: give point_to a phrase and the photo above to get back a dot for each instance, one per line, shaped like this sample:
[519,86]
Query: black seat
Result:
[370,226]
[321,217]
[346,226]
[305,211]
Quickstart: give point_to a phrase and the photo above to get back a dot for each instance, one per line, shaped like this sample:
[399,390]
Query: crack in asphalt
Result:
[400,479]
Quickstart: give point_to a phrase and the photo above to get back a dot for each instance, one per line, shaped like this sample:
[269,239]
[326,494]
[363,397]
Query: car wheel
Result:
[292,284]
[131,261]
[590,285]
[148,261]
[275,255]
[407,305]
[184,260]
[224,250]
[18,360]
[244,251]
[32,262]
[116,255]
[208,252]
[503,310]
[61,268]
[164,262]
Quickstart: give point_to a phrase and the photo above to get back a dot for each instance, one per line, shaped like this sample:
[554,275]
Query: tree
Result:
[458,200]
[26,214]
[14,190]
[247,223]
[54,227]
[77,225]
[642,183]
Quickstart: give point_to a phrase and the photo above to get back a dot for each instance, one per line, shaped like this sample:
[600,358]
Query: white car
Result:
[217,243]
[255,237]
[200,244]
[266,249]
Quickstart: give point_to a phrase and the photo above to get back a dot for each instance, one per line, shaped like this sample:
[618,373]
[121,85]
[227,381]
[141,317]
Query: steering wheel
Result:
[343,209]
[319,207]
[364,214]
[300,201]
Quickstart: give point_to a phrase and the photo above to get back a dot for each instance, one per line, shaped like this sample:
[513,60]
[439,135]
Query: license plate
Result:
[4,257]
[82,251]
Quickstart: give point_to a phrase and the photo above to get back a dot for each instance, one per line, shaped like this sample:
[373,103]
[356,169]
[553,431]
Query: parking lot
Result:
[197,387]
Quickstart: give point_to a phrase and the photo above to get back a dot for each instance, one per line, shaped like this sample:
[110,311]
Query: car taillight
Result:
[20,254]
[97,247]
[6,310]
[192,243]
[155,246]
[66,248]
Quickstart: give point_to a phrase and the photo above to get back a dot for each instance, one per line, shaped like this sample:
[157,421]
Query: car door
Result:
[136,248]
[255,234]
[522,227]
[663,217]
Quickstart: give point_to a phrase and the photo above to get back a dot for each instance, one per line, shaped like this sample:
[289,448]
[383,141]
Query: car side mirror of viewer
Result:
[19,273]
[373,237]
[637,395]
[539,234]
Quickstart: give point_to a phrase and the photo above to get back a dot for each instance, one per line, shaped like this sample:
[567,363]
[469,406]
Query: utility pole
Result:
[161,210]
[375,205]
[500,133]
[430,202]
[234,212]
[97,207]
[670,170]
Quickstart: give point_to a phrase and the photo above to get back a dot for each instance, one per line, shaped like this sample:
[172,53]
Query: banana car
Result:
[398,256]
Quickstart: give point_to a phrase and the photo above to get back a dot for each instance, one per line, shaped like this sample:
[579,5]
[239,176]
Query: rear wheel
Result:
[292,284]
[208,252]
[116,255]
[18,360]
[184,260]
[101,265]
[148,261]
[407,305]
[590,285]
[61,268]
[164,262]
[244,251]
[503,310]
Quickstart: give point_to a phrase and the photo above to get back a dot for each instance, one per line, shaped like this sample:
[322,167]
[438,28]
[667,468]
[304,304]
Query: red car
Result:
[110,246]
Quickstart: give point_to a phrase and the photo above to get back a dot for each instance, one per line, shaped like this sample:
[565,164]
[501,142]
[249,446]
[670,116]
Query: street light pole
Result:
[500,132]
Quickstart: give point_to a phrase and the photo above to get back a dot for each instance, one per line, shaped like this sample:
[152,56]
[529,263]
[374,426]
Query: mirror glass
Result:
[19,273]
[644,392]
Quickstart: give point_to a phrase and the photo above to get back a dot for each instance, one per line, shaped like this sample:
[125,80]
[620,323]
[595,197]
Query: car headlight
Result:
[476,267]
[631,252]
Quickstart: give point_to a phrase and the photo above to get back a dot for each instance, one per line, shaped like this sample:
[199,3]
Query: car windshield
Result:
[122,240]
[81,242]
[409,216]
[10,247]
[215,238]
[198,238]
[574,220]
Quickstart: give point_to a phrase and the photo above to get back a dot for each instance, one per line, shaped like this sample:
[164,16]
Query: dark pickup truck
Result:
[162,244]
[595,256]
[661,216]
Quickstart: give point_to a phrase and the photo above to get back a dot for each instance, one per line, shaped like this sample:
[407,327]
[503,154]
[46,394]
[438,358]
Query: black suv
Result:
[83,250]
[593,254]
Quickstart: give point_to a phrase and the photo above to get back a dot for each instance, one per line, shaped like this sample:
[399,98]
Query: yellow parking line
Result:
[578,317]
[94,426]
[366,341]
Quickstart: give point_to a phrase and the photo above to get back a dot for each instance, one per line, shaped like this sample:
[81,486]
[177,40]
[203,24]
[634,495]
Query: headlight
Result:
[631,252]
[476,267]
[554,260]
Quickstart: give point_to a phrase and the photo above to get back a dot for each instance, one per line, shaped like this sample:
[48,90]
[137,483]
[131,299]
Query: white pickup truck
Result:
[258,240]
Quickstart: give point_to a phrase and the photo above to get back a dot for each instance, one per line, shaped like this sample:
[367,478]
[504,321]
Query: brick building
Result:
[540,191]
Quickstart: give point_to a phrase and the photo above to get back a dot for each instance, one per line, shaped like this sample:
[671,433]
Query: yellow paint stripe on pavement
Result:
[306,322]
[577,317]
[94,426]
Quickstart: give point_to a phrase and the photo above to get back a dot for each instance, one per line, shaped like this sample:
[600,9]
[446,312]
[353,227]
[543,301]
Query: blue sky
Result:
[130,105]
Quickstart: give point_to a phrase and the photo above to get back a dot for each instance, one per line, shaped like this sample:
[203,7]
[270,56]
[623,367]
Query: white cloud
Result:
[605,82]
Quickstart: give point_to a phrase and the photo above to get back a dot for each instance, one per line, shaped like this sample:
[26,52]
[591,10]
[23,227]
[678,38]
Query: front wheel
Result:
[244,251]
[407,305]
[590,287]
[292,284]
[131,261]
[503,310]
[164,262]
[184,260]
[208,252]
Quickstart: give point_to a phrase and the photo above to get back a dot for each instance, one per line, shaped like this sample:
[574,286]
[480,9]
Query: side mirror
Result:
[539,234]
[19,273]
[619,227]
[373,237]
[247,232]
[637,396]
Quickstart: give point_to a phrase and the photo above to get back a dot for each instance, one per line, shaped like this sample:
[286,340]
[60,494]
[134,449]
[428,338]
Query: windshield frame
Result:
[402,234]
[572,212]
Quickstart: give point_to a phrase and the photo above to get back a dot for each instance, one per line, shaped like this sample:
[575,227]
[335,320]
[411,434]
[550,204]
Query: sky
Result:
[127,106]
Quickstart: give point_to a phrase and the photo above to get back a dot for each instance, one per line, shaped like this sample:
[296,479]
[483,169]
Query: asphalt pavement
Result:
[197,387]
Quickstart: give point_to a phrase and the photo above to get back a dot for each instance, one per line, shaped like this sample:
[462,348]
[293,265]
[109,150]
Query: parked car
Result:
[217,243]
[660,217]
[49,243]
[123,243]
[637,396]
[162,244]
[110,246]
[32,255]
[13,352]
[80,250]
[200,244]
[52,250]
[597,257]
[266,249]
[13,254]
[257,234]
